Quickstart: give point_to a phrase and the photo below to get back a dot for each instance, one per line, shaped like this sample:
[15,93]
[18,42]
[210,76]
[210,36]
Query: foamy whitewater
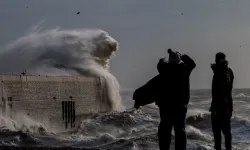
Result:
[64,53]
[87,53]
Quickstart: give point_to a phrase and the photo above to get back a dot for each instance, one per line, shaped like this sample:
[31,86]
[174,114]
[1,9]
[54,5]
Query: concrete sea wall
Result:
[58,102]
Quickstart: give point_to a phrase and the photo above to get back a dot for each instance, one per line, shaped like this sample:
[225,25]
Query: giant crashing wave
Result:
[65,53]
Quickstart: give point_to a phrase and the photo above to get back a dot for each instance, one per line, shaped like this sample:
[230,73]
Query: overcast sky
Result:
[144,29]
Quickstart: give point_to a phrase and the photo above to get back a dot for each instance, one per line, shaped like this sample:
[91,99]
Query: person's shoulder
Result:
[230,69]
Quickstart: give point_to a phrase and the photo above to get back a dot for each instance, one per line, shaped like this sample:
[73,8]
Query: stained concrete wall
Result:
[40,97]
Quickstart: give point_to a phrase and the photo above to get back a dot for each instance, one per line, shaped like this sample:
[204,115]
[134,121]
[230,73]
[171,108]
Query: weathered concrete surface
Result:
[41,97]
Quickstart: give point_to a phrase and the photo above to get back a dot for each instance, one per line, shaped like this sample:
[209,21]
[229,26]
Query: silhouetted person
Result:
[24,73]
[222,102]
[173,92]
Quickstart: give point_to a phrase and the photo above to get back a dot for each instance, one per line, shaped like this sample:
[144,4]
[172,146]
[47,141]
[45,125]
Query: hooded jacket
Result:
[222,86]
[175,84]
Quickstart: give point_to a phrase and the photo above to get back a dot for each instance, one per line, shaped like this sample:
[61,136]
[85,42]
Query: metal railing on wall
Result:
[68,113]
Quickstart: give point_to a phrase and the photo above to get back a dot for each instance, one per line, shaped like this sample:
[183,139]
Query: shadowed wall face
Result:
[50,100]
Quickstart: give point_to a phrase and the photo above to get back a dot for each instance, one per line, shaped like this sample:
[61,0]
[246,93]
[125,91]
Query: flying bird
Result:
[78,13]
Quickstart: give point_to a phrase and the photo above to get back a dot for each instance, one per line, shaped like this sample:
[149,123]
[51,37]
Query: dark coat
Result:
[175,90]
[222,86]
[170,87]
[148,93]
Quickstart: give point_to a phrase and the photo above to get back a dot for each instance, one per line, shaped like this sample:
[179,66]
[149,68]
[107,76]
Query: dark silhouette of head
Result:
[220,57]
[170,50]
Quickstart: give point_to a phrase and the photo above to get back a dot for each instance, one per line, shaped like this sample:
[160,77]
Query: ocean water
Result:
[133,129]
[87,53]
[75,52]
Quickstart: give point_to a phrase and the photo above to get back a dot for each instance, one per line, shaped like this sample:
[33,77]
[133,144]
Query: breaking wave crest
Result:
[65,53]
[241,95]
[20,122]
[194,133]
[20,130]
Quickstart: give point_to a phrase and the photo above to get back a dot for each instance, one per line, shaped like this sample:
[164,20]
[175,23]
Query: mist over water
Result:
[65,53]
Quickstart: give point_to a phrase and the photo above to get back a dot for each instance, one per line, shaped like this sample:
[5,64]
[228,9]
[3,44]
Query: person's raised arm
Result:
[189,62]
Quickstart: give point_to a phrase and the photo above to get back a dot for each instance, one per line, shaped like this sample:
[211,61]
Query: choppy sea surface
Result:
[133,129]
